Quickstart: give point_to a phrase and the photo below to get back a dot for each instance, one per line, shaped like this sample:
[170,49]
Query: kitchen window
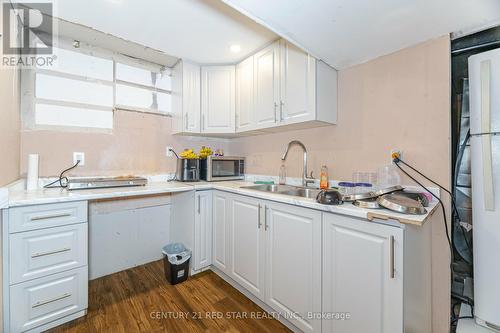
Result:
[84,87]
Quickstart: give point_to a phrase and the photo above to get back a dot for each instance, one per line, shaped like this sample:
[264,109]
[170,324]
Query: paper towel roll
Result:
[32,179]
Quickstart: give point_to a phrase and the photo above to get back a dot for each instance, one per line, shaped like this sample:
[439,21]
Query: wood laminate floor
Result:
[141,300]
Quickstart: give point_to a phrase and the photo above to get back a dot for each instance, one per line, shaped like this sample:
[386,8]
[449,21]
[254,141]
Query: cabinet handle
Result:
[187,122]
[282,104]
[47,217]
[37,304]
[275,112]
[391,260]
[199,205]
[203,122]
[265,220]
[259,223]
[48,253]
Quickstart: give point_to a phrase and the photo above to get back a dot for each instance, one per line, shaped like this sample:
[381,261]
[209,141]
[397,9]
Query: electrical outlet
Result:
[169,151]
[79,156]
[396,153]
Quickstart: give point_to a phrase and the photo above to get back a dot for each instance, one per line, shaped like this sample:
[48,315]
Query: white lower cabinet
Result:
[362,276]
[45,265]
[46,299]
[221,235]
[293,267]
[202,256]
[248,244]
[325,272]
[274,253]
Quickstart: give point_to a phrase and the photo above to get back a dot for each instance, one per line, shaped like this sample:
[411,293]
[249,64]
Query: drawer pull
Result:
[46,217]
[43,254]
[37,304]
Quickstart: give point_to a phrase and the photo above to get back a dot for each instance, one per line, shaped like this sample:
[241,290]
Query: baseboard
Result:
[254,299]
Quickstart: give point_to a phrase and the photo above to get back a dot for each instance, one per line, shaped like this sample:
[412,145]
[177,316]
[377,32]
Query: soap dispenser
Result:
[323,179]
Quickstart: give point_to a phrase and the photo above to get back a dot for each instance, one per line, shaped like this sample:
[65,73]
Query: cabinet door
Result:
[362,275]
[203,230]
[244,95]
[248,244]
[221,233]
[218,99]
[293,268]
[191,95]
[298,85]
[266,86]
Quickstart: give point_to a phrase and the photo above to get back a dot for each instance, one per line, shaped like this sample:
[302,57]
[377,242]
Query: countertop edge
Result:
[41,197]
[4,198]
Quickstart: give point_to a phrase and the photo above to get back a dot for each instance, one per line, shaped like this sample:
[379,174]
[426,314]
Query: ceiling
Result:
[199,30]
[348,32]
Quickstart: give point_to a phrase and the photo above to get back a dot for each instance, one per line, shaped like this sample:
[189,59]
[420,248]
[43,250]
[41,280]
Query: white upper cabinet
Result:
[290,87]
[267,86]
[186,94]
[279,88]
[218,99]
[245,110]
[297,85]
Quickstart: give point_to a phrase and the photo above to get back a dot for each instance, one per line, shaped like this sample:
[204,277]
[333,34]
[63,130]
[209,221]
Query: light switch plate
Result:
[79,156]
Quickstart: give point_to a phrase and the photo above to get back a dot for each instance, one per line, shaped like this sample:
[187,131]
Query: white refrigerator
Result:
[484,85]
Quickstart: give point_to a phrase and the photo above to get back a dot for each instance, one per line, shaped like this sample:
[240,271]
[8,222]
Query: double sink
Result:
[309,193]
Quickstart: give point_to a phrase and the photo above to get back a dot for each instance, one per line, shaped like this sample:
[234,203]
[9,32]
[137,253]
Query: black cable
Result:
[432,181]
[396,162]
[458,318]
[173,151]
[61,178]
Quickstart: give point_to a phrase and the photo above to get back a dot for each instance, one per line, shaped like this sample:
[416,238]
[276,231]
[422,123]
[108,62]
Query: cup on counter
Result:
[373,179]
[365,181]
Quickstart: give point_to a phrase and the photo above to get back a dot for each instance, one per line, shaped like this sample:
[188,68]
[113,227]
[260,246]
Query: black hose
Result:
[397,161]
[61,178]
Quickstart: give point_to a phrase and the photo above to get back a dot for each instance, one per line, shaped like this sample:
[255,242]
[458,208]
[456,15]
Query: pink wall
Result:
[136,146]
[401,100]
[9,125]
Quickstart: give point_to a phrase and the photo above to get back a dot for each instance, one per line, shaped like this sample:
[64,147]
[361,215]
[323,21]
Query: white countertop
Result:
[18,197]
[4,198]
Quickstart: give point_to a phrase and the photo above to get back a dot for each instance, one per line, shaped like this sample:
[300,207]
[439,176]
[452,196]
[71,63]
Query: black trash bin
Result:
[176,262]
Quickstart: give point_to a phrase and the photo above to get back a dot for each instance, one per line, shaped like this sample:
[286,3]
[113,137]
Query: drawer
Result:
[43,300]
[38,253]
[43,216]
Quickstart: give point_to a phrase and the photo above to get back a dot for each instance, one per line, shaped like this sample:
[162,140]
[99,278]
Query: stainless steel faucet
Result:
[305,179]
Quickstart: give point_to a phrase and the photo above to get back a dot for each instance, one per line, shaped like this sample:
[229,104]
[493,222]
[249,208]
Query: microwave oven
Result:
[217,168]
